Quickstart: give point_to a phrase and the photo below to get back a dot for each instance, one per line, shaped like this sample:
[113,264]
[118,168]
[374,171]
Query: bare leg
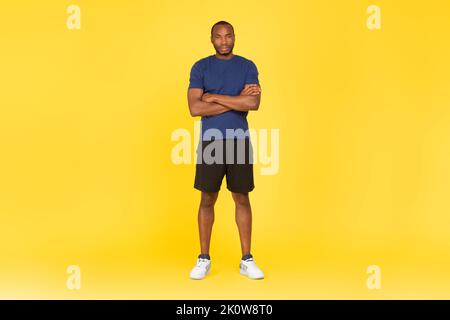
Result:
[206,219]
[243,220]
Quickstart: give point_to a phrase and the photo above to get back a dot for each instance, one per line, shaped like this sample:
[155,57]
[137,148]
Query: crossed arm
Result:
[207,104]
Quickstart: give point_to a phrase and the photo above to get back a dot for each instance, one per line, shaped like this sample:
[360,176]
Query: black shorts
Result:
[235,162]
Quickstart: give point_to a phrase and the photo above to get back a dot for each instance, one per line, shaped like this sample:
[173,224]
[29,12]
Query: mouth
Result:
[226,48]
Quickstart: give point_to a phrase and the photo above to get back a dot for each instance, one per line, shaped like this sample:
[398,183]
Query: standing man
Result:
[222,89]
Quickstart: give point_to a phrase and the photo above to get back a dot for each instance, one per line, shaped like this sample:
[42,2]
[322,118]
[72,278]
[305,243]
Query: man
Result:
[222,89]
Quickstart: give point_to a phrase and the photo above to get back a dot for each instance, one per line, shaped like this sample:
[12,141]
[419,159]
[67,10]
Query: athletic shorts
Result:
[235,162]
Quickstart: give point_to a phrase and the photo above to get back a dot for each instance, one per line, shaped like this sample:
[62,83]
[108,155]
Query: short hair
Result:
[221,23]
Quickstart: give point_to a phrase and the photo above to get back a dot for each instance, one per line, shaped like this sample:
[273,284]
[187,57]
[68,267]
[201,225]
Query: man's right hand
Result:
[251,90]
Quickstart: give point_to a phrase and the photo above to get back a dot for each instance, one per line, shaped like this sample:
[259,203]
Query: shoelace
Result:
[201,262]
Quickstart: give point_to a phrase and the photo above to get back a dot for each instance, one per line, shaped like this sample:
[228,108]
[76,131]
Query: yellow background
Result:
[86,177]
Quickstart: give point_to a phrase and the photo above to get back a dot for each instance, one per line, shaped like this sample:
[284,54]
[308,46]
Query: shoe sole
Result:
[244,273]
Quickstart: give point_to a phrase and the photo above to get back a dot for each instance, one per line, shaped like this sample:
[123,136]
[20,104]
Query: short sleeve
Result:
[196,76]
[252,74]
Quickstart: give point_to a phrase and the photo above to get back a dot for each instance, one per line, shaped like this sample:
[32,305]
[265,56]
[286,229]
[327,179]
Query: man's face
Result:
[223,39]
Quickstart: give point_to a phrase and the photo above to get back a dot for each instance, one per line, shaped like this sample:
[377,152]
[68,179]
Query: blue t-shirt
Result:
[226,77]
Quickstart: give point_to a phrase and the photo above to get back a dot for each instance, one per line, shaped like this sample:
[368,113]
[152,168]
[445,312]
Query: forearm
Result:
[239,103]
[201,108]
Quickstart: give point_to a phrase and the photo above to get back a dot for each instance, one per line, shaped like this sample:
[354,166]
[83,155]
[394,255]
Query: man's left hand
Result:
[209,97]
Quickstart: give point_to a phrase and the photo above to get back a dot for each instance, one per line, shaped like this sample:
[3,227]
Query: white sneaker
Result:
[249,268]
[201,269]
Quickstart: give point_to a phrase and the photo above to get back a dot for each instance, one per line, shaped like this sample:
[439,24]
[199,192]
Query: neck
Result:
[224,57]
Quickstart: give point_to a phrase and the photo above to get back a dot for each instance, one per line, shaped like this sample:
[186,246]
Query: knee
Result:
[241,199]
[208,199]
